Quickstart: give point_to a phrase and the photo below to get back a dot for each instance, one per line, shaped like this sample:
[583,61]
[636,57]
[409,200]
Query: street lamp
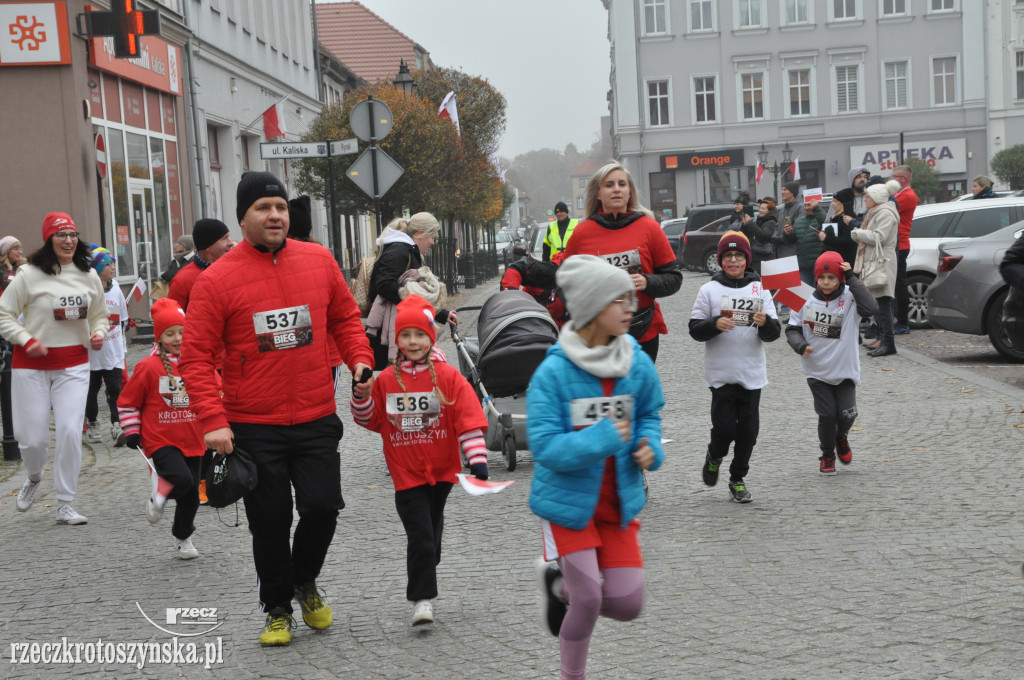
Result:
[403,81]
[775,168]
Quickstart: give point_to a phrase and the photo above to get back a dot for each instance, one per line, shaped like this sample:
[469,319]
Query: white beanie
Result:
[880,193]
[590,284]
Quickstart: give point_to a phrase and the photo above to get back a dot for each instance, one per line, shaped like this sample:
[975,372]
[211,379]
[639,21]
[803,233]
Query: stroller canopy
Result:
[515,332]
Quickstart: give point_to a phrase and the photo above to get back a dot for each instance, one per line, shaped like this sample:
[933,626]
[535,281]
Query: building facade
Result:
[697,86]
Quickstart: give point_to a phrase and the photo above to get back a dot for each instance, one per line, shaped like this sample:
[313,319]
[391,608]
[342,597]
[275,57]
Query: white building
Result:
[699,85]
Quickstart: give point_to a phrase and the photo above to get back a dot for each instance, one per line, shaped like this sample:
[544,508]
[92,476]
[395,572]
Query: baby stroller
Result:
[514,332]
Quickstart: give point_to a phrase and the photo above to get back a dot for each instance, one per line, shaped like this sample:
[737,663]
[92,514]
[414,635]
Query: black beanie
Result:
[793,187]
[256,185]
[206,232]
[300,221]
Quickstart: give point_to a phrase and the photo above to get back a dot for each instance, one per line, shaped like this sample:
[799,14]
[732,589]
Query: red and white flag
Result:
[138,291]
[448,110]
[758,171]
[794,298]
[783,276]
[480,487]
[794,168]
[273,121]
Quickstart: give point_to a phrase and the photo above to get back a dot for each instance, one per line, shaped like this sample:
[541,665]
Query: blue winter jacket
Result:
[569,464]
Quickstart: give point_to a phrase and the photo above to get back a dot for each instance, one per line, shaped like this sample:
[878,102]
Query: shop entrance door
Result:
[145,240]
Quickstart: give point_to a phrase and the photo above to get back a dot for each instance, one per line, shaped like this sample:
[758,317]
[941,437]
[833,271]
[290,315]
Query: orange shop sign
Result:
[34,34]
[697,160]
[159,67]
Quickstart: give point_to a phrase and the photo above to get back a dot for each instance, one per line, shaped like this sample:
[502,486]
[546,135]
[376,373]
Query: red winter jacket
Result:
[272,316]
[182,284]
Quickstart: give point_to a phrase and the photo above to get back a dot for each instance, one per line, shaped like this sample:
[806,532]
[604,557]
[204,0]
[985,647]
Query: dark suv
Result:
[702,215]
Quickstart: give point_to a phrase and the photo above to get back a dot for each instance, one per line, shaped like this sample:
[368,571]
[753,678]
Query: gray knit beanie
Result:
[590,284]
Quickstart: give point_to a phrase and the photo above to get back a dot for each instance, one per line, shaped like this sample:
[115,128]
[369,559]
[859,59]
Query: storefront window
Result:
[117,174]
[163,232]
[138,157]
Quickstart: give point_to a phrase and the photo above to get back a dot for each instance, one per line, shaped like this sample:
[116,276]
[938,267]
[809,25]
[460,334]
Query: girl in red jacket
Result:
[424,410]
[155,415]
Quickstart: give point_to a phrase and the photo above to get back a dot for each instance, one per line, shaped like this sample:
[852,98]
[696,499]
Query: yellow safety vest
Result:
[554,241]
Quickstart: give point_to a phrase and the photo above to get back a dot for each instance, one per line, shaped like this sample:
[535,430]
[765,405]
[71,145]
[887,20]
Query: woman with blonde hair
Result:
[11,256]
[981,187]
[400,250]
[876,258]
[623,232]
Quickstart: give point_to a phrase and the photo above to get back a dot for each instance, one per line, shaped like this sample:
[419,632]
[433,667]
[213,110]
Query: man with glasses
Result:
[906,204]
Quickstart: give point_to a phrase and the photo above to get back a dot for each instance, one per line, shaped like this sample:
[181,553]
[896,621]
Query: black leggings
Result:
[836,406]
[111,379]
[183,473]
[421,510]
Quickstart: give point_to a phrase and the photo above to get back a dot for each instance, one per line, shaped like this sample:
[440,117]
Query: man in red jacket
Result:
[269,308]
[906,204]
[212,241]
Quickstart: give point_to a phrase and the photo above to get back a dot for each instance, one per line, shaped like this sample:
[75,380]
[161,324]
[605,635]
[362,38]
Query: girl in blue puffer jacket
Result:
[594,426]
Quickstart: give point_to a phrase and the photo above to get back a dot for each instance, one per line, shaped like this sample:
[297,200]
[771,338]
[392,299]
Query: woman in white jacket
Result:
[876,258]
[61,299]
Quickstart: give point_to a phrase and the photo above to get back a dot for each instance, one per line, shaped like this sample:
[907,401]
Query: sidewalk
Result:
[907,564]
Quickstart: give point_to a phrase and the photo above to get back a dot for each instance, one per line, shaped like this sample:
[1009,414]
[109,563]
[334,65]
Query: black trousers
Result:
[836,406]
[421,509]
[304,456]
[183,473]
[651,347]
[902,294]
[111,380]
[734,418]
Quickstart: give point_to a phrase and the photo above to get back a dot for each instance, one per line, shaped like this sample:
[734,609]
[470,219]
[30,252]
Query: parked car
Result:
[674,230]
[968,291]
[936,223]
[504,241]
[700,247]
[701,215]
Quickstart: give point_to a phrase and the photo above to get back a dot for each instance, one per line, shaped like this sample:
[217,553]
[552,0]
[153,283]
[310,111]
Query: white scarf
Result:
[605,361]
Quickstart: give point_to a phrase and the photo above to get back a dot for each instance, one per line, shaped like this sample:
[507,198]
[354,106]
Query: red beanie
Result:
[832,262]
[55,222]
[166,313]
[415,312]
[733,240]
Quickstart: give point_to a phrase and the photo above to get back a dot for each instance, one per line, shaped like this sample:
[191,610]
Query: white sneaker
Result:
[186,551]
[93,433]
[67,515]
[27,494]
[423,612]
[118,434]
[154,506]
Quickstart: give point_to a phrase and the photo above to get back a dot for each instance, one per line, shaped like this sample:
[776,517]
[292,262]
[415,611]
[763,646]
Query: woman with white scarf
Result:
[876,258]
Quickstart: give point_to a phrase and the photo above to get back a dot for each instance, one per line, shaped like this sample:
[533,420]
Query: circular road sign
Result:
[367,111]
[101,157]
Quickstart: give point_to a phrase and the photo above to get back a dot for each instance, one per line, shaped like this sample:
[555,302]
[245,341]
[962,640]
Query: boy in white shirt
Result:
[824,333]
[735,316]
[106,363]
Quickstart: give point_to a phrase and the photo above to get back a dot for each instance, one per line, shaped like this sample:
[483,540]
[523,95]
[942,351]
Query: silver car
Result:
[968,291]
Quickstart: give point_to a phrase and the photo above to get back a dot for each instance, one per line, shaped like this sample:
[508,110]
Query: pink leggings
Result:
[620,596]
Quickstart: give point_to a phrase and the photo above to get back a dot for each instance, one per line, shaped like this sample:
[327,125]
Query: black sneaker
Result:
[710,470]
[739,491]
[553,608]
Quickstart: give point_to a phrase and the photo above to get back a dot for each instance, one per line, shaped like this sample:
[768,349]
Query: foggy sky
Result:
[548,57]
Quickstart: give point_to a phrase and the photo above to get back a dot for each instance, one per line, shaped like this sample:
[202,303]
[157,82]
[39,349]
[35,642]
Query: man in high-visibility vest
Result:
[559,231]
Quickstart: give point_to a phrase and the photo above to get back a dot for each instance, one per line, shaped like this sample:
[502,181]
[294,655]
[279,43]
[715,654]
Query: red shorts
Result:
[616,547]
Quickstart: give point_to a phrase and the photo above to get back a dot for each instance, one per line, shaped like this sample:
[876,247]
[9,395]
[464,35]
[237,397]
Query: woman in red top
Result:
[625,233]
[155,414]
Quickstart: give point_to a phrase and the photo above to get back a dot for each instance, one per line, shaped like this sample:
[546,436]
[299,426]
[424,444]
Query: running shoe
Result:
[710,470]
[277,630]
[315,612]
[27,494]
[843,451]
[739,492]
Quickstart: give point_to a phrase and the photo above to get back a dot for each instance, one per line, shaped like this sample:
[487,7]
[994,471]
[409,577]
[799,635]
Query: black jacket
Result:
[393,261]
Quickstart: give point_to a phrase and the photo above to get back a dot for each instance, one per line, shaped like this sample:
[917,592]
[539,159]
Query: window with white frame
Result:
[847,89]
[800,92]
[942,5]
[796,12]
[702,15]
[892,8]
[657,102]
[895,76]
[1020,75]
[752,92]
[655,17]
[844,9]
[749,13]
[944,80]
[704,99]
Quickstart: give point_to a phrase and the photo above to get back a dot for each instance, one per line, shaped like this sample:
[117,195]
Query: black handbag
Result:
[230,477]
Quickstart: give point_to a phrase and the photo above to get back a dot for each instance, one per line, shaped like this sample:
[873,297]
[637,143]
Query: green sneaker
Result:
[277,631]
[710,470]
[315,612]
[739,492]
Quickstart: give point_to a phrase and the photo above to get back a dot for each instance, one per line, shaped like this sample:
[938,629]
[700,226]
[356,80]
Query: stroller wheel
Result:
[508,452]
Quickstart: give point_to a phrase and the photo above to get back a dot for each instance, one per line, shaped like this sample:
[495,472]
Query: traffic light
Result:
[125,24]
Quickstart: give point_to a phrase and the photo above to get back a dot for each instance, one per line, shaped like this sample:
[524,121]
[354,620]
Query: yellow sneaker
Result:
[277,631]
[315,612]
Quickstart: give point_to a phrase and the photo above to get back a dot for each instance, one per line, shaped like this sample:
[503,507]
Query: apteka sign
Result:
[944,155]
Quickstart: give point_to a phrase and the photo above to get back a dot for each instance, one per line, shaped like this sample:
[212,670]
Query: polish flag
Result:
[783,272]
[480,487]
[794,168]
[273,121]
[758,171]
[795,297]
[449,110]
[138,291]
